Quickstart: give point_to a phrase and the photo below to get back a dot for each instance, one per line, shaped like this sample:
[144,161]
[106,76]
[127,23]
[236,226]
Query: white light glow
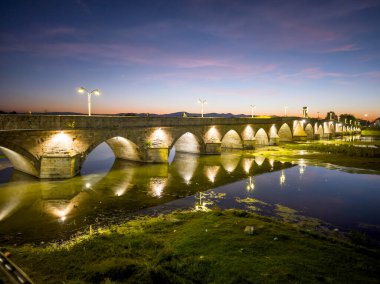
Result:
[282,178]
[157,186]
[211,172]
[247,164]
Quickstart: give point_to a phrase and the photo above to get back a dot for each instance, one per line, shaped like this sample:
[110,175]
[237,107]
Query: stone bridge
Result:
[49,146]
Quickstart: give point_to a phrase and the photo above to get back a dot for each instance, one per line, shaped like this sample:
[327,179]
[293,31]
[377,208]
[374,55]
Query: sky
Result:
[162,56]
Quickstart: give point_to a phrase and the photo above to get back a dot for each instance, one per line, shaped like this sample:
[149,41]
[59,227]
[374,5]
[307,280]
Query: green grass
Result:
[201,247]
[341,154]
[370,132]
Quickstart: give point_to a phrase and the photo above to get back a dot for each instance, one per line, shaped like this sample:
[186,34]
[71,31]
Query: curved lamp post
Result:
[202,102]
[252,107]
[95,92]
[286,108]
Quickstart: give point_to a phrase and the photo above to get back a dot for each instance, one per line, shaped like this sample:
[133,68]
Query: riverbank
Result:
[370,132]
[323,153]
[201,247]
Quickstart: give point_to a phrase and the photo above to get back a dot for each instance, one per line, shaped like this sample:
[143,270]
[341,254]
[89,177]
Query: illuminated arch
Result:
[212,135]
[261,137]
[187,143]
[309,131]
[338,128]
[285,133]
[320,131]
[232,140]
[124,148]
[298,128]
[326,128]
[248,133]
[24,162]
[332,127]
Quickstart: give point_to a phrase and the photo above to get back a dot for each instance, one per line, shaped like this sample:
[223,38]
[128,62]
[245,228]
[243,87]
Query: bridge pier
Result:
[249,144]
[60,165]
[213,148]
[274,140]
[300,137]
[155,155]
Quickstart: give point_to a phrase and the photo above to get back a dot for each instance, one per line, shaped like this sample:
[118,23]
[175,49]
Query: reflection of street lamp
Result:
[252,107]
[95,92]
[202,102]
[250,184]
[282,178]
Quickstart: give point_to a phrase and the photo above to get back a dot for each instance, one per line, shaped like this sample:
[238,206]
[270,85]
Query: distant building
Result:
[377,122]
[305,112]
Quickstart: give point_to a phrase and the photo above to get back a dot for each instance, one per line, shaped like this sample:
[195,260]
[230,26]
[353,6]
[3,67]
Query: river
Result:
[109,191]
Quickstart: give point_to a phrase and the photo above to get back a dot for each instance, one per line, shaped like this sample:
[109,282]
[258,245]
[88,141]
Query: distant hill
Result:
[180,114]
[174,114]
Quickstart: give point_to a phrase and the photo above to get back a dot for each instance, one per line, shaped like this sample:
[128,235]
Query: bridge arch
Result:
[298,128]
[285,133]
[309,131]
[261,137]
[21,159]
[248,133]
[187,143]
[232,140]
[122,147]
[332,127]
[320,131]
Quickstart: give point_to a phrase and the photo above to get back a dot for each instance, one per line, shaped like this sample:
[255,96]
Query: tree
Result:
[346,118]
[331,116]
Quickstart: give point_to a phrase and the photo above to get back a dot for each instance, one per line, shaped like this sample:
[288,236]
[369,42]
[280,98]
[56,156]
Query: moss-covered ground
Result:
[201,247]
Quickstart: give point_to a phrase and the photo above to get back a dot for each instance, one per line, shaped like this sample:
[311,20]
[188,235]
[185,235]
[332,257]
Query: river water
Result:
[109,191]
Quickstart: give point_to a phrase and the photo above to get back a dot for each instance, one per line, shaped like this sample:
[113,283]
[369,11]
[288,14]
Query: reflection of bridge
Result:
[31,207]
[56,146]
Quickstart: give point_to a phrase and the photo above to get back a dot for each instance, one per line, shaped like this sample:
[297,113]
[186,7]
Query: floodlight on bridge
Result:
[95,92]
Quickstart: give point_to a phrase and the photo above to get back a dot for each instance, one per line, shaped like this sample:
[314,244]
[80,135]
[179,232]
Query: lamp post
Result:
[252,107]
[202,102]
[95,92]
[285,108]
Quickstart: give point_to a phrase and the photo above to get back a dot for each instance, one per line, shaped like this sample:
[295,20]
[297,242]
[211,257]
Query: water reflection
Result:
[33,210]
[250,184]
[43,209]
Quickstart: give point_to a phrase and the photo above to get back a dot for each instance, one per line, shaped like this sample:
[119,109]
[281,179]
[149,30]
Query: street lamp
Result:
[95,92]
[202,102]
[252,107]
[285,107]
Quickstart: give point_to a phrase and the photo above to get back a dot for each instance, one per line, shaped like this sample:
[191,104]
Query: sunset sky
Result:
[162,56]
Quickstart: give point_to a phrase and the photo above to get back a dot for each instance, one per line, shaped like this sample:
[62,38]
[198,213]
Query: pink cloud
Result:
[343,48]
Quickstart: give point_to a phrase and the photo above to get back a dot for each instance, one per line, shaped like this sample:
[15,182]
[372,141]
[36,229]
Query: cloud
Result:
[343,48]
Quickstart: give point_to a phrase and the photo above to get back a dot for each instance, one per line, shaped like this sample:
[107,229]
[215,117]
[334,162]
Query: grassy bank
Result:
[370,132]
[201,247]
[339,155]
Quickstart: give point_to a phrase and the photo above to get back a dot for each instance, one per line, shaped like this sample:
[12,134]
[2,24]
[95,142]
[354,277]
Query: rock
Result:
[249,230]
